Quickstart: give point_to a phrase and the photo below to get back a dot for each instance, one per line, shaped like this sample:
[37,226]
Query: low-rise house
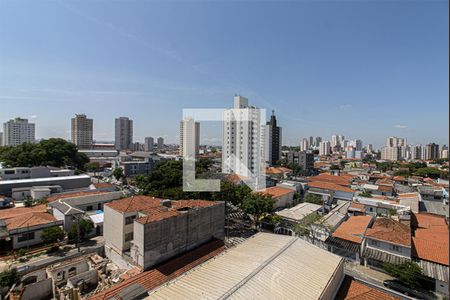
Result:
[387,240]
[24,226]
[72,206]
[34,192]
[34,172]
[347,239]
[283,197]
[330,192]
[431,192]
[294,215]
[430,248]
[382,190]
[377,206]
[144,231]
[65,182]
[322,229]
[410,200]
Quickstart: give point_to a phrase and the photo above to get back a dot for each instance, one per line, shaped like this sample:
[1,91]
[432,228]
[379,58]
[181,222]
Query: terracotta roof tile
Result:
[135,203]
[389,230]
[354,290]
[73,195]
[278,170]
[18,211]
[343,179]
[353,229]
[276,191]
[330,186]
[358,206]
[29,219]
[430,238]
[168,271]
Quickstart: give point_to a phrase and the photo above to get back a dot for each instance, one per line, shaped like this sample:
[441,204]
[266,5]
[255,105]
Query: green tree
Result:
[405,173]
[258,205]
[335,167]
[366,194]
[54,152]
[9,277]
[28,201]
[52,235]
[85,227]
[408,273]
[303,227]
[428,172]
[313,198]
[92,166]
[118,173]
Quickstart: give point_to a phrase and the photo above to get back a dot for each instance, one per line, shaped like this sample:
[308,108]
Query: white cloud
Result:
[345,106]
[399,126]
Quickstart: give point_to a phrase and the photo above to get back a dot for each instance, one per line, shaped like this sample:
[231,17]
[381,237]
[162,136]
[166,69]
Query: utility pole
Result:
[78,234]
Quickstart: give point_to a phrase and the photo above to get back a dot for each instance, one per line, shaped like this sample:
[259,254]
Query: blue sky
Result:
[365,69]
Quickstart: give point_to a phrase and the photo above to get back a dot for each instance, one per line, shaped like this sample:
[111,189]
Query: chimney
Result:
[166,203]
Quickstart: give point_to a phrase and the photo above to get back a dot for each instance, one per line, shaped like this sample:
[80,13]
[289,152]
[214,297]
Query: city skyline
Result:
[370,71]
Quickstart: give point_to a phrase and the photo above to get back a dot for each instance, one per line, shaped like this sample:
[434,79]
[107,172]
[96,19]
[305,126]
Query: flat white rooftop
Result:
[45,179]
[299,211]
[266,266]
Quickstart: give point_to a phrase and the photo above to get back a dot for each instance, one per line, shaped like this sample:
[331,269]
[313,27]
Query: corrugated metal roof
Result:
[266,266]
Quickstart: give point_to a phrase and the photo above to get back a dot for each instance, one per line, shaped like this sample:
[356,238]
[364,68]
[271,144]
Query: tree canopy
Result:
[313,198]
[258,205]
[53,152]
[408,273]
[52,235]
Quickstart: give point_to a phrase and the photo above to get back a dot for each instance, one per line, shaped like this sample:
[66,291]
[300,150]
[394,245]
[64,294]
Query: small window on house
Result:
[89,208]
[395,248]
[129,220]
[128,236]
[26,237]
[374,243]
[60,275]
[72,271]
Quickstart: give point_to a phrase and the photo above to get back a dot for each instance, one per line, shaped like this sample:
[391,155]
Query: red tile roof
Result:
[353,229]
[354,290]
[276,191]
[277,170]
[73,195]
[391,231]
[234,178]
[29,219]
[330,186]
[430,238]
[18,211]
[343,179]
[358,206]
[153,209]
[168,271]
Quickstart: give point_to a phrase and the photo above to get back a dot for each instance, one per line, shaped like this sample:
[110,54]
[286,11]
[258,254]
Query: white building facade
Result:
[18,131]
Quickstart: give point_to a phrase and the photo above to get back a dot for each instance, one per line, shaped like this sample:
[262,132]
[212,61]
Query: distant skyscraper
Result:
[243,141]
[416,152]
[394,141]
[357,144]
[273,140]
[444,152]
[1,139]
[82,131]
[148,144]
[18,131]
[160,143]
[341,140]
[390,153]
[311,141]
[324,148]
[124,133]
[304,145]
[369,148]
[317,141]
[189,138]
[432,151]
[334,141]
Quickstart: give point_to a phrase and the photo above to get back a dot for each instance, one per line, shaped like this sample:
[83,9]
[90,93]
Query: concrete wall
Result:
[66,271]
[335,282]
[284,201]
[90,278]
[41,290]
[156,242]
[387,247]
[113,230]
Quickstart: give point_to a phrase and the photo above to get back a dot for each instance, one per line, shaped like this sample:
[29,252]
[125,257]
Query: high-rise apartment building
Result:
[18,131]
[189,138]
[82,133]
[444,152]
[334,141]
[317,141]
[1,139]
[160,143]
[432,151]
[304,145]
[311,141]
[243,141]
[394,141]
[357,144]
[149,144]
[273,140]
[390,153]
[416,152]
[123,133]
[324,148]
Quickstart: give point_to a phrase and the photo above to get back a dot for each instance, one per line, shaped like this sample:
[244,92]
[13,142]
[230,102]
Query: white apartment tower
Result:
[82,131]
[325,148]
[124,133]
[18,131]
[391,153]
[304,145]
[189,138]
[394,141]
[160,143]
[148,144]
[243,140]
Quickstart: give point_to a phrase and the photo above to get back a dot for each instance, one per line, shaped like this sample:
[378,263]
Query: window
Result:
[72,271]
[26,237]
[89,208]
[128,236]
[129,220]
[374,243]
[396,248]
